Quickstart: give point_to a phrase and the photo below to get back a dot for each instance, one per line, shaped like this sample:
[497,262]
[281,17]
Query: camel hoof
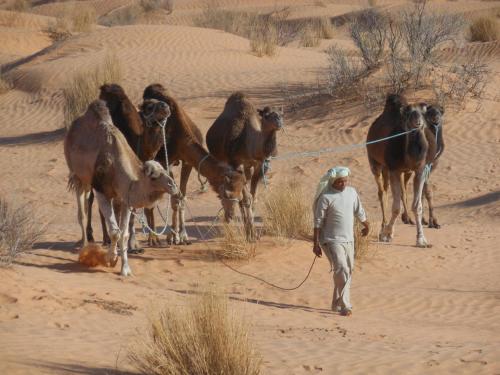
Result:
[154,241]
[384,238]
[434,224]
[112,260]
[425,222]
[406,219]
[126,271]
[422,243]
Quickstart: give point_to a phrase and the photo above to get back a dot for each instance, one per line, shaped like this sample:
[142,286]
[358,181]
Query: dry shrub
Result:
[234,22]
[287,212]
[264,39]
[93,255]
[344,72]
[361,244]
[484,29]
[59,29]
[5,85]
[20,5]
[122,16]
[153,5]
[83,18]
[84,87]
[234,242]
[19,230]
[309,37]
[369,31]
[204,338]
[462,80]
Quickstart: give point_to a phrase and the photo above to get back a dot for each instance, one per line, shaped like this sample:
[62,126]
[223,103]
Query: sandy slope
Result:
[416,311]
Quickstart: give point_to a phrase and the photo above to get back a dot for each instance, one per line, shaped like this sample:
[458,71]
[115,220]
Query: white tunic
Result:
[334,213]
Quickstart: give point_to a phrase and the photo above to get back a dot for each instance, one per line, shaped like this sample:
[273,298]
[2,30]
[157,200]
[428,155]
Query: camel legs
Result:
[405,217]
[81,199]
[124,229]
[90,231]
[433,223]
[113,229]
[418,185]
[388,231]
[256,176]
[382,180]
[179,234]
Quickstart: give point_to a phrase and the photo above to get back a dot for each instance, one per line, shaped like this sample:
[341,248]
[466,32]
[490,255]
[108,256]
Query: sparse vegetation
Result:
[83,18]
[19,230]
[5,85]
[287,212]
[122,16]
[84,87]
[20,5]
[309,37]
[234,242]
[369,31]
[153,5]
[203,338]
[344,72]
[484,29]
[59,29]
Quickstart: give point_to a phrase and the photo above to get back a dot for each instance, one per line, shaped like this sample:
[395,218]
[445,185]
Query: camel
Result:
[184,144]
[142,130]
[245,138]
[434,134]
[390,159]
[99,158]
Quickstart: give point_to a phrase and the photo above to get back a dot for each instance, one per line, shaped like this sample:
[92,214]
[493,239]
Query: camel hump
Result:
[394,103]
[112,88]
[100,110]
[154,89]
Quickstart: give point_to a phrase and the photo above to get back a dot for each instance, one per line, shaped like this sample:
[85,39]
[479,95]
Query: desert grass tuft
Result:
[83,18]
[287,212]
[234,242]
[5,85]
[84,87]
[203,338]
[484,29]
[264,38]
[19,230]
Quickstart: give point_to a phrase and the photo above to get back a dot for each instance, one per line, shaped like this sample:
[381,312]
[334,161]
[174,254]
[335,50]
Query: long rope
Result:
[220,259]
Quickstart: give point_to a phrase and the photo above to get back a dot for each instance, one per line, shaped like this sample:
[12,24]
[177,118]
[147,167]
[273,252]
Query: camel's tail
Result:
[74,183]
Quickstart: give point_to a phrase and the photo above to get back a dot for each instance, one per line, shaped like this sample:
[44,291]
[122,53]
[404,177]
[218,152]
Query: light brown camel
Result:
[99,158]
[185,144]
[245,138]
[390,159]
[129,121]
[434,134]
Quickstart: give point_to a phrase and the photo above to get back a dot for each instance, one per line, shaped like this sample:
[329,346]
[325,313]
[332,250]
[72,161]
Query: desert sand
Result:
[416,311]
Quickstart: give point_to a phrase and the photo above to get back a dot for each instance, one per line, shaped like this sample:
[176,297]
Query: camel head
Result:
[160,181]
[434,115]
[271,120]
[413,116]
[155,114]
[122,110]
[230,191]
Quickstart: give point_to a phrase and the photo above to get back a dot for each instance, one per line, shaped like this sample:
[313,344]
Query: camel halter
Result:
[203,184]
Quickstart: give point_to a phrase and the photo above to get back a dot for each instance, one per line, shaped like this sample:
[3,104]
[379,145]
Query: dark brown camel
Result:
[142,130]
[245,138]
[434,134]
[390,159]
[184,144]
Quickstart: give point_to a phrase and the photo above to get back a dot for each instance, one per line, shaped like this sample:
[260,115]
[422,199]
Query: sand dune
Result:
[416,311]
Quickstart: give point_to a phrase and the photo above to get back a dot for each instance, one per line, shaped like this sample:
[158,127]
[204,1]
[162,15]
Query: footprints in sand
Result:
[116,307]
[314,368]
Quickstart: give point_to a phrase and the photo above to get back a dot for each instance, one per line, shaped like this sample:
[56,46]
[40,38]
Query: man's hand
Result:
[366,229]
[317,250]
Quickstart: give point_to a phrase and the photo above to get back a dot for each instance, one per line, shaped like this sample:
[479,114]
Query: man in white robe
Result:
[335,206]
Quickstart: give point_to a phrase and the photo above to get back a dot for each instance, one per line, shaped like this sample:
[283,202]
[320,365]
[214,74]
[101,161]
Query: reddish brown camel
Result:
[434,134]
[99,158]
[184,144]
[142,130]
[390,159]
[245,137]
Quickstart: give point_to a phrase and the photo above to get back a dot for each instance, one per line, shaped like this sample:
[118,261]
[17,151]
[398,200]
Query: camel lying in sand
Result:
[99,157]
[389,160]
[185,144]
[245,138]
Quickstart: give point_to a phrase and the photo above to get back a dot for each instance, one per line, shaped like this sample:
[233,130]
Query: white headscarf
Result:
[329,177]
